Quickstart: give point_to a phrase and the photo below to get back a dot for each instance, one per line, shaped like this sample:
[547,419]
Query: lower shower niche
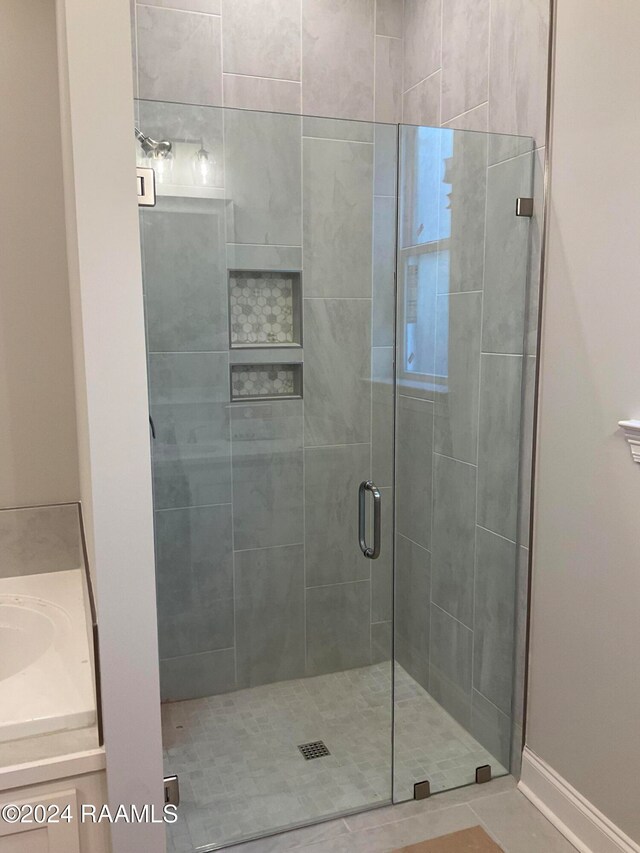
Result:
[264,309]
[266,381]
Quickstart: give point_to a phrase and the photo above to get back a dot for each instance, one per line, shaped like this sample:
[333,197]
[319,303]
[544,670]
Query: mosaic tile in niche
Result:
[251,381]
[264,308]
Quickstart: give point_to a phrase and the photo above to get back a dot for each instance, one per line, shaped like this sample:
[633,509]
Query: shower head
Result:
[151,148]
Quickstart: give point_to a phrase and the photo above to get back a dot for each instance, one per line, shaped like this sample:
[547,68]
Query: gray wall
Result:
[585,692]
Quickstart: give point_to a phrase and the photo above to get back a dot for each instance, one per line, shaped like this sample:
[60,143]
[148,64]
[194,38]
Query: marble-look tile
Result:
[519,825]
[388,83]
[385,159]
[262,38]
[272,258]
[189,399]
[475,119]
[338,627]
[421,103]
[209,7]
[184,281]
[495,590]
[466,172]
[336,128]
[262,165]
[384,262]
[389,16]
[337,217]
[381,642]
[337,58]
[465,55]
[422,40]
[382,568]
[412,609]
[194,561]
[194,580]
[258,93]
[267,474]
[520,650]
[193,676]
[450,665]
[414,461]
[518,72]
[35,540]
[179,56]
[186,123]
[382,407]
[491,728]
[269,608]
[456,408]
[526,449]
[506,257]
[499,443]
[454,514]
[331,478]
[337,371]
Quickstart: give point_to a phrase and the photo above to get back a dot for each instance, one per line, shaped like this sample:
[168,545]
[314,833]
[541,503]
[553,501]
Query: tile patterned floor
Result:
[241,773]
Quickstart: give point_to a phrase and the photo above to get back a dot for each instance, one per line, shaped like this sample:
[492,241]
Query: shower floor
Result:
[242,775]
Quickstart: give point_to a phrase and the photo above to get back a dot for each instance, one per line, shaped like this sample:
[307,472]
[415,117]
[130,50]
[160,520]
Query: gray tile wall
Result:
[39,539]
[259,573]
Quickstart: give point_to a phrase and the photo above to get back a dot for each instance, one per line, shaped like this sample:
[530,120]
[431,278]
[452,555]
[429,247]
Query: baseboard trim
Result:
[575,817]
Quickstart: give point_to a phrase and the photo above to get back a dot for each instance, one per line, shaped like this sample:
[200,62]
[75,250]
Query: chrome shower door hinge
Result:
[146,187]
[524,207]
[171,791]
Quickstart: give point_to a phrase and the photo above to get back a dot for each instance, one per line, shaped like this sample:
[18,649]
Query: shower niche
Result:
[266,381]
[264,309]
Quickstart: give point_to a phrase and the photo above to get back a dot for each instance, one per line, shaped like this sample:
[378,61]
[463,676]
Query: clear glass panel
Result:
[269,266]
[462,278]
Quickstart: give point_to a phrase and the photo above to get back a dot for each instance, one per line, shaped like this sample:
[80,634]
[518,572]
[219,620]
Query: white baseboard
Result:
[575,817]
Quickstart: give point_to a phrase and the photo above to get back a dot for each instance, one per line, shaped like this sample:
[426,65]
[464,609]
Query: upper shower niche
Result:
[264,309]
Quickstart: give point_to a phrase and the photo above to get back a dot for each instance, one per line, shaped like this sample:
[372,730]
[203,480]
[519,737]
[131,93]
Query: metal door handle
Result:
[369,486]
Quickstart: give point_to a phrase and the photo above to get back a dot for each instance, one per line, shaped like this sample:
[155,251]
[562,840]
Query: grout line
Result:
[464,113]
[453,459]
[338,583]
[176,9]
[336,139]
[268,547]
[455,619]
[506,538]
[260,77]
[424,79]
[413,542]
[195,506]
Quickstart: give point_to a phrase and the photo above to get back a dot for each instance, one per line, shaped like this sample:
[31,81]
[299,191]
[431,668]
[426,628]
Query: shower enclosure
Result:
[335,319]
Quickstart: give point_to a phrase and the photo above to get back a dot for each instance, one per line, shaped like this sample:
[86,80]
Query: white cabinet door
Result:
[35,837]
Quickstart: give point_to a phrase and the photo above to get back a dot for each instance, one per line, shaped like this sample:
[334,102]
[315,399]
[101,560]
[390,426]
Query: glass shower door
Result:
[269,264]
[461,320]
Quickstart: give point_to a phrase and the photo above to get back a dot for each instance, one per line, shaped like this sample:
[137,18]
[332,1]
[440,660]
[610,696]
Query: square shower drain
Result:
[315,749]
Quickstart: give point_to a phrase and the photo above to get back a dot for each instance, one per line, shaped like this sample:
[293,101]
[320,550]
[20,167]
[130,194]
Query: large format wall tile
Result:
[421,103]
[269,590]
[39,539]
[384,262]
[337,217]
[388,106]
[422,47]
[382,568]
[337,371]
[412,608]
[184,282]
[450,665]
[454,513]
[382,405]
[338,627]
[210,7]
[262,168]
[193,676]
[258,93]
[203,626]
[499,443]
[495,590]
[414,461]
[491,728]
[267,474]
[506,256]
[389,16]
[331,479]
[466,171]
[189,399]
[456,409]
[465,55]
[262,38]
[518,72]
[179,56]
[337,58]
